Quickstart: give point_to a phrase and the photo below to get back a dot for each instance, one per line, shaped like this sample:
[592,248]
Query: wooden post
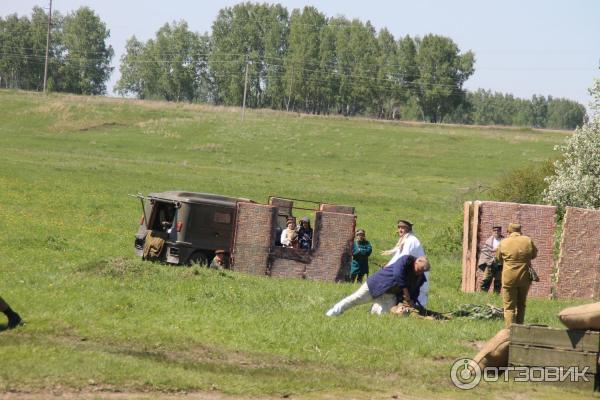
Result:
[47,45]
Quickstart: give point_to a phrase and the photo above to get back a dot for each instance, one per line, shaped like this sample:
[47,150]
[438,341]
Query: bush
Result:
[524,185]
[577,179]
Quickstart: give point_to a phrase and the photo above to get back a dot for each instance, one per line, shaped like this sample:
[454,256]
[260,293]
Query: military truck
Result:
[192,225]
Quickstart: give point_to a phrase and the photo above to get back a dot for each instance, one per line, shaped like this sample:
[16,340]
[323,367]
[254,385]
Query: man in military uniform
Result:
[218,262]
[515,253]
[492,268]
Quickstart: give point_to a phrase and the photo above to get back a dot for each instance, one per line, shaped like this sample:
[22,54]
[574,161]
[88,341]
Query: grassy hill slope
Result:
[100,320]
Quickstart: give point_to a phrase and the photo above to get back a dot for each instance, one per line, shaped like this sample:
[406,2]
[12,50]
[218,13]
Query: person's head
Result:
[360,234]
[220,253]
[497,231]
[290,224]
[514,227]
[404,227]
[422,265]
[305,222]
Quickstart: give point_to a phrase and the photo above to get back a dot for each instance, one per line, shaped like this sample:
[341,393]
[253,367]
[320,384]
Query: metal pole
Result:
[245,90]
[47,45]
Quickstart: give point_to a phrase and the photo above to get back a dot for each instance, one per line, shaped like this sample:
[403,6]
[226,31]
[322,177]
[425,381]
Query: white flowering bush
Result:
[577,179]
[595,93]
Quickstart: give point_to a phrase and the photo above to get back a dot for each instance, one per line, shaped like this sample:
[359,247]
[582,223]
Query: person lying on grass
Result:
[400,281]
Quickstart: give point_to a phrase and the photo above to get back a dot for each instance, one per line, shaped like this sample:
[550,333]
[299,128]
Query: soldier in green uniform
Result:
[515,252]
[492,268]
[360,257]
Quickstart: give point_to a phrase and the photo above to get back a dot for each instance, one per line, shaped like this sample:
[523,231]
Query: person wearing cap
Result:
[14,319]
[361,250]
[515,253]
[408,244]
[401,280]
[289,236]
[218,262]
[492,268]
[305,234]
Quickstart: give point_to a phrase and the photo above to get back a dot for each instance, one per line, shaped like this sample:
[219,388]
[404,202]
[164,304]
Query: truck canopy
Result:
[198,198]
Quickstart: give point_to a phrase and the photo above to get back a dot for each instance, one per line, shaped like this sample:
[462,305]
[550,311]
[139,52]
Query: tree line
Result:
[301,61]
[79,58]
[483,107]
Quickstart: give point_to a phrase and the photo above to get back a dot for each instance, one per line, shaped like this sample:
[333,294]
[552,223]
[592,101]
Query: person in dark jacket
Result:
[305,234]
[14,319]
[361,251]
[403,278]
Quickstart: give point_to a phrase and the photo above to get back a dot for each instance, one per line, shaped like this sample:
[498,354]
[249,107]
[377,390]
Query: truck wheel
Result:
[199,259]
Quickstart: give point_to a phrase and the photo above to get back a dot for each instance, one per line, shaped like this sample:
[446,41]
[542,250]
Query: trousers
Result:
[514,299]
[491,273]
[381,304]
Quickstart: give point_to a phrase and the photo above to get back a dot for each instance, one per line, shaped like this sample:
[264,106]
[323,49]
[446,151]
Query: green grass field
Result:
[100,321]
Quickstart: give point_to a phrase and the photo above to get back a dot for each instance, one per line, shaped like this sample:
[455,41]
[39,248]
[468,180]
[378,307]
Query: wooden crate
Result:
[565,339]
[546,357]
[540,346]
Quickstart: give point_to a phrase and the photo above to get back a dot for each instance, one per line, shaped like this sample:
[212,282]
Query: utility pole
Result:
[47,45]
[245,90]
[287,106]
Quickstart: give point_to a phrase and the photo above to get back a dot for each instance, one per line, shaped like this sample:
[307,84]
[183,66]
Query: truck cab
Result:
[190,225]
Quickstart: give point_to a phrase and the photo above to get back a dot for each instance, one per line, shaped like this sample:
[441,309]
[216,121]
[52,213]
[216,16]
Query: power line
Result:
[327,71]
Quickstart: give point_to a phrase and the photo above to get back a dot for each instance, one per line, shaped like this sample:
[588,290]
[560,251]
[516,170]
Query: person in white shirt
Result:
[492,268]
[408,244]
[289,237]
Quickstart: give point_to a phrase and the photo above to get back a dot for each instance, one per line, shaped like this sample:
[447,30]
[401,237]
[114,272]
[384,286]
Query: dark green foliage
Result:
[523,185]
[79,58]
[487,108]
[173,66]
[253,34]
[305,62]
[304,65]
[565,114]
[23,48]
[442,70]
[478,311]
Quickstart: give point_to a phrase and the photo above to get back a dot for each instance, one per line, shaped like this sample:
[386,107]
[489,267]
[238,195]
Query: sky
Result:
[521,47]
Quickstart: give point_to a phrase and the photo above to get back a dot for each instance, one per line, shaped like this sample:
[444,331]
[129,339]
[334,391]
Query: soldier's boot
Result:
[520,318]
[485,283]
[497,285]
[14,319]
[509,318]
[486,280]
